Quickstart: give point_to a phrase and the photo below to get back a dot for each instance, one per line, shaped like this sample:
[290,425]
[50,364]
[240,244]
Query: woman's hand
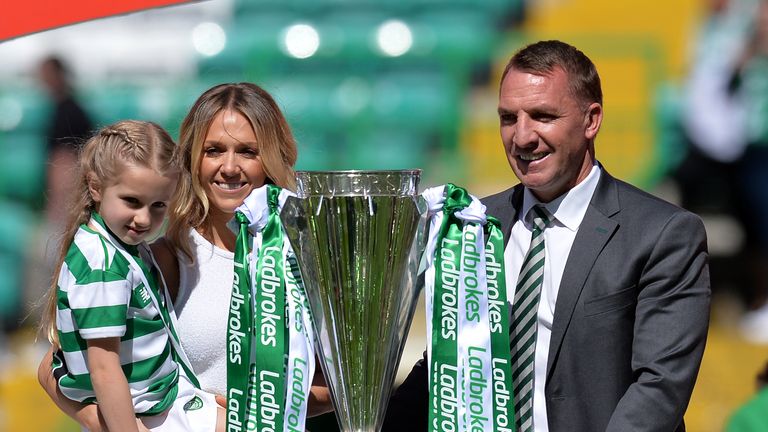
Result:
[86,415]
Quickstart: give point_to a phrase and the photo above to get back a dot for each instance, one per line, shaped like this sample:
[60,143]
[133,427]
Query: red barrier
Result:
[22,17]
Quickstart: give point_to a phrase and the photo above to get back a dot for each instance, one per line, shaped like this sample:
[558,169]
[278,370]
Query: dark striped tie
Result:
[523,327]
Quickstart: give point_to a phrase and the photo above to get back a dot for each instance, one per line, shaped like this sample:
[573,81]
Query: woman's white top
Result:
[202,305]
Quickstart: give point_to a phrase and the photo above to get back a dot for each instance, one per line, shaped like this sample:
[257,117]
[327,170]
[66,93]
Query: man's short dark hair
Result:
[542,58]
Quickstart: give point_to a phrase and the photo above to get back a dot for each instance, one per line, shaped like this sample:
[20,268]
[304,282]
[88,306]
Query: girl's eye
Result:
[160,205]
[131,201]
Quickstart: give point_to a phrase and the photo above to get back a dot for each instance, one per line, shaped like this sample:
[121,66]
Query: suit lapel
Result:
[595,231]
[507,214]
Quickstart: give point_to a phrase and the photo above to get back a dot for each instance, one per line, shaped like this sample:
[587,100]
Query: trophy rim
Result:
[364,172]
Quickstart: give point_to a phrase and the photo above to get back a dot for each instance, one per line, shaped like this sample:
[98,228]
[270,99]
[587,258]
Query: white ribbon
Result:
[435,198]
[301,357]
[474,343]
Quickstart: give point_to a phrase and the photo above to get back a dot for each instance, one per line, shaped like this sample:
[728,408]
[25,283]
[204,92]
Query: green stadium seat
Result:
[418,99]
[24,109]
[319,151]
[109,103]
[254,44]
[385,148]
[15,232]
[306,101]
[459,36]
[22,166]
[10,290]
[15,227]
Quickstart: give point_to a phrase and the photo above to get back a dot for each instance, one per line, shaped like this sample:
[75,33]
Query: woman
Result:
[233,140]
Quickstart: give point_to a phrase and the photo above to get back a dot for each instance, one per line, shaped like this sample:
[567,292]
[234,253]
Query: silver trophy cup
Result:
[357,237]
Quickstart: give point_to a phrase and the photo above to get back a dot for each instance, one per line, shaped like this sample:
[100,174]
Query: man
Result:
[622,307]
[69,127]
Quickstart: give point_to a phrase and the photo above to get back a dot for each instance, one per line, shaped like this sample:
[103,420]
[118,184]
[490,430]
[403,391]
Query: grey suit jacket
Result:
[630,319]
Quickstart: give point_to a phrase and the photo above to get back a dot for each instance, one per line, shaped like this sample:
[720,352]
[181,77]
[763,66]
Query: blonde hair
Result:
[276,146]
[101,160]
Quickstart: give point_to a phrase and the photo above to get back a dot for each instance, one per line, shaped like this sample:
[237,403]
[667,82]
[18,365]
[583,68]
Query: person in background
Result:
[724,118]
[69,127]
[610,308]
[752,416]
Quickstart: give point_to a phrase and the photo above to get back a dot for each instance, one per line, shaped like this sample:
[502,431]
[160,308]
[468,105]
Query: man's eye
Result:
[544,118]
[507,119]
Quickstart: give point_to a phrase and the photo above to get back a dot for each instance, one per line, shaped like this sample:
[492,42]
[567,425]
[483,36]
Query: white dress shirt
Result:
[568,211]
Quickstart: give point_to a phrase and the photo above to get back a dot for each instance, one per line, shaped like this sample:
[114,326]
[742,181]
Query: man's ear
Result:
[593,120]
[94,187]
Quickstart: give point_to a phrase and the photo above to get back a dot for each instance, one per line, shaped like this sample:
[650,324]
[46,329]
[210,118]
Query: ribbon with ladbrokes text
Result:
[470,383]
[270,361]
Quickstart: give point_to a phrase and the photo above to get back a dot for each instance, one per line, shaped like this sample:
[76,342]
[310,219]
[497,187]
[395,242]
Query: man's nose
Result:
[525,132]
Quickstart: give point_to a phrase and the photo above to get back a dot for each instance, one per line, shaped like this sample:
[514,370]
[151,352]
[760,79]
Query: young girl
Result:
[105,311]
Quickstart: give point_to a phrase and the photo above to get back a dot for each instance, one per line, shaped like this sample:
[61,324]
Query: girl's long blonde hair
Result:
[102,158]
[276,145]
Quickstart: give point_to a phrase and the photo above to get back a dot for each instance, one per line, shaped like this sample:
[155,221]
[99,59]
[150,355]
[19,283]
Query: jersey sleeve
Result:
[99,304]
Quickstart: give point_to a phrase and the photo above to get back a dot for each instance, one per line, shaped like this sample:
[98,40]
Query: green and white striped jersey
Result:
[100,296]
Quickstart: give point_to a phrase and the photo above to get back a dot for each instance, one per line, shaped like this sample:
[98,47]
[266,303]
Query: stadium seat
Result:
[385,148]
[24,109]
[15,223]
[10,290]
[22,166]
[319,151]
[110,102]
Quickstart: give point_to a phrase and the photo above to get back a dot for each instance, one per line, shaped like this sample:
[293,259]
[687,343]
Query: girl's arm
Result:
[110,384]
[86,415]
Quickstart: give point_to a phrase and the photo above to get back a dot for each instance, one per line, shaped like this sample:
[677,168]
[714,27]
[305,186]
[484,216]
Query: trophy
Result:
[357,236]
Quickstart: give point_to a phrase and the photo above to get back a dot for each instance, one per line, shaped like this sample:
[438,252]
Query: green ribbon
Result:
[256,335]
[445,382]
[239,334]
[444,396]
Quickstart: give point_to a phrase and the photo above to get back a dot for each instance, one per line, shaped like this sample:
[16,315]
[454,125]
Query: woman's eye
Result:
[211,151]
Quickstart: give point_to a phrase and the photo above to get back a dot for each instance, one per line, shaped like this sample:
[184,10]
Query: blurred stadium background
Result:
[365,84]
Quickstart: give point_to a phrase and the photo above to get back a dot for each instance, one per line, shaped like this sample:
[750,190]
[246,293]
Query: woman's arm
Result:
[319,395]
[110,384]
[86,415]
[168,263]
